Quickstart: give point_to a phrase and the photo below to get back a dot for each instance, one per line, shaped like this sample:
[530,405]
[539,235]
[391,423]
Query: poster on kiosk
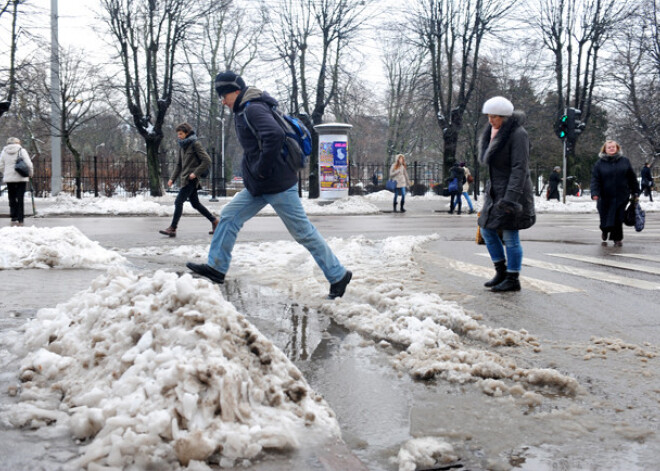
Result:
[333,160]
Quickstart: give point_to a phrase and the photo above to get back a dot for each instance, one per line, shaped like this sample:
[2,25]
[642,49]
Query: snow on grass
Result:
[159,371]
[56,247]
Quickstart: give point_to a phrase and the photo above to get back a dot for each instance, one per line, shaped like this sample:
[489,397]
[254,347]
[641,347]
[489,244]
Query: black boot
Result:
[402,210]
[510,283]
[500,274]
[394,206]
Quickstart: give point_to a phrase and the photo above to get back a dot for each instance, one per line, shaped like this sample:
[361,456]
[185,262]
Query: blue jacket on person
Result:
[265,170]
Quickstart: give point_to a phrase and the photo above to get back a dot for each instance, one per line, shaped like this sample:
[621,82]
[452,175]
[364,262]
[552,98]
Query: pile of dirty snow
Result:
[159,371]
[52,247]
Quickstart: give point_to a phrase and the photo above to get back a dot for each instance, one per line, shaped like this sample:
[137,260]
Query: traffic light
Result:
[575,125]
[4,107]
[561,126]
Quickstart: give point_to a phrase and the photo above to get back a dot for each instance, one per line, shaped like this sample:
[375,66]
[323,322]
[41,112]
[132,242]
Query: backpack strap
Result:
[249,125]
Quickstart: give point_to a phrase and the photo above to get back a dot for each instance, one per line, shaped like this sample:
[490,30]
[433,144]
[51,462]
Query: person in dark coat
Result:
[647,181]
[193,161]
[458,173]
[613,181]
[268,179]
[509,197]
[553,185]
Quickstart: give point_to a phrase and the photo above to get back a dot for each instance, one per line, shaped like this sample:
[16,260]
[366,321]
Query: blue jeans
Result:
[469,201]
[514,251]
[289,208]
[400,191]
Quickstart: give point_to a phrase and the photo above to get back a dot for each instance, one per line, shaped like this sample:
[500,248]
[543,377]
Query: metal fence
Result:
[109,176]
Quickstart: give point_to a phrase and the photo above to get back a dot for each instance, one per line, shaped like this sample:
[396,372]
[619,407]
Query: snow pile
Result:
[157,371]
[117,206]
[391,301]
[56,247]
[425,453]
[345,206]
[603,345]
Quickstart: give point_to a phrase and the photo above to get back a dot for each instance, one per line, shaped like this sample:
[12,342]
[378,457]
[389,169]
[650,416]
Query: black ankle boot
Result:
[394,205]
[510,283]
[500,274]
[402,210]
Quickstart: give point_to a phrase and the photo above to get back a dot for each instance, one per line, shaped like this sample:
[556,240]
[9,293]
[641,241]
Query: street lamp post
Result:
[96,181]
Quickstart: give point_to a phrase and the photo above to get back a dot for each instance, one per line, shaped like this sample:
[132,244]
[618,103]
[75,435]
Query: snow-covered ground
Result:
[354,205]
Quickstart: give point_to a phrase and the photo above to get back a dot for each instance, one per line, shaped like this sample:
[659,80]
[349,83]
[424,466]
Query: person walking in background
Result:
[268,179]
[16,183]
[647,181]
[613,181]
[509,197]
[553,185]
[456,189]
[399,173]
[193,161]
[466,186]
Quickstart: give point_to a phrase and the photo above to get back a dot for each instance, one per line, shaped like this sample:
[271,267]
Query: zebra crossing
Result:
[621,277]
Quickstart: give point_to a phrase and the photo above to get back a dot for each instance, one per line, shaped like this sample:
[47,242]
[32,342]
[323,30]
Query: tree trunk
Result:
[153,163]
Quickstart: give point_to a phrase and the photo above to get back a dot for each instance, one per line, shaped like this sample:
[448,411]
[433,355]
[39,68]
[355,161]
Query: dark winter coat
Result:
[265,170]
[458,173]
[553,187]
[613,180]
[192,159]
[647,179]
[509,198]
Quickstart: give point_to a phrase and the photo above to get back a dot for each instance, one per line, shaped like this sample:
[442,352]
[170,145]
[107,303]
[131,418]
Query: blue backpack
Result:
[298,141]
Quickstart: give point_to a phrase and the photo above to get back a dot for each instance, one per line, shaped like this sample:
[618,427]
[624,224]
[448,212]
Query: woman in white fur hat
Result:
[16,183]
[509,198]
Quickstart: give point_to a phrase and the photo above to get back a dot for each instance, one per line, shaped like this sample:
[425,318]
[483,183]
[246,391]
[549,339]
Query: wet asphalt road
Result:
[613,425]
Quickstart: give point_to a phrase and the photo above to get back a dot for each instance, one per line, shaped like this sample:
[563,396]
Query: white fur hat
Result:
[498,105]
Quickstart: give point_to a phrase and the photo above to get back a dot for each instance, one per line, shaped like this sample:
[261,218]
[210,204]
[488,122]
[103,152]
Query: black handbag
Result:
[21,167]
[629,214]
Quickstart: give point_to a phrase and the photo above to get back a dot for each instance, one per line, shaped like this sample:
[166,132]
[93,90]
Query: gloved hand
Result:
[634,198]
[508,207]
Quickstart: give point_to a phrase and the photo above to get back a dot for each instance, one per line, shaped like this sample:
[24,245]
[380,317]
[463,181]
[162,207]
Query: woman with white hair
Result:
[509,199]
[16,183]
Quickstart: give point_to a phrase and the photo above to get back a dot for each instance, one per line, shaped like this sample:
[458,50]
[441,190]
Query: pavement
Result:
[573,295]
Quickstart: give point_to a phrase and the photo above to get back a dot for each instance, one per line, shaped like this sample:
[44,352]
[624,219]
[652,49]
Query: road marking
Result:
[487,272]
[595,275]
[650,258]
[608,263]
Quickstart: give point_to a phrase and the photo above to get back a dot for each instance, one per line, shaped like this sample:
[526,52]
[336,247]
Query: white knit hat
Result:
[13,140]
[498,105]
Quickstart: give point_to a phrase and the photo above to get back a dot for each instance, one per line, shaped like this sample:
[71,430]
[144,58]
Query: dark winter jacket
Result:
[458,173]
[192,159]
[647,179]
[509,198]
[553,187]
[613,180]
[265,170]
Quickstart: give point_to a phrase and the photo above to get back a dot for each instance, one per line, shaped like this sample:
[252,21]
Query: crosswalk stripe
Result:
[650,258]
[608,263]
[487,272]
[595,275]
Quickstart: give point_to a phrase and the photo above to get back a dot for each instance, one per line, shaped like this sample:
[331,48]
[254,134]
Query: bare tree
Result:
[451,33]
[636,72]
[149,34]
[11,5]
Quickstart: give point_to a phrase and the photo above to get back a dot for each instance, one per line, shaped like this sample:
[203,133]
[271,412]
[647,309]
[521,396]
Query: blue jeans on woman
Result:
[469,201]
[289,208]
[400,191]
[514,251]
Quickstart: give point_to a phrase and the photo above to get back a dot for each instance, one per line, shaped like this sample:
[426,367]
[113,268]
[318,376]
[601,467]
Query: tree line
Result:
[439,61]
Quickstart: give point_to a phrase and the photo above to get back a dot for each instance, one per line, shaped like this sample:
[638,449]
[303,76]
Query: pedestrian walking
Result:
[16,183]
[509,197]
[456,181]
[466,186]
[399,173]
[193,161]
[647,181]
[553,186]
[613,183]
[268,179]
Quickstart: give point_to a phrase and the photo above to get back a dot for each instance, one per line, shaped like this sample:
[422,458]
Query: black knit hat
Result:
[228,81]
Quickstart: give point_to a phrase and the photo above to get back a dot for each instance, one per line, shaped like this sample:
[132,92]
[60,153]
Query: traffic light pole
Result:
[564,166]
